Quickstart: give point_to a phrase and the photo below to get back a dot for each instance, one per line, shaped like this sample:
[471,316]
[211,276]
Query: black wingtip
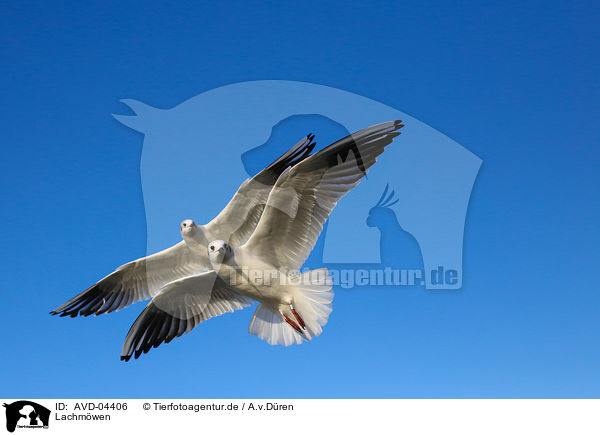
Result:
[300,153]
[384,132]
[292,157]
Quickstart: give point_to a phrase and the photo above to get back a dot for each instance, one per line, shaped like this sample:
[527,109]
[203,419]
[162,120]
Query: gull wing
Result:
[134,281]
[239,218]
[314,187]
[178,308]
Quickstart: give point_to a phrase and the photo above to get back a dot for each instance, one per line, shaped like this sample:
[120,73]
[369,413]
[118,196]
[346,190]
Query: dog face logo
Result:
[26,414]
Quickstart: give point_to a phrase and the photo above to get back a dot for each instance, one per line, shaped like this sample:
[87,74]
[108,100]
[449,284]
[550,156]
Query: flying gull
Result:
[292,307]
[143,278]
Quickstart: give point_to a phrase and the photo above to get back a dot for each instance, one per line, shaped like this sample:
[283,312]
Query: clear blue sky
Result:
[514,82]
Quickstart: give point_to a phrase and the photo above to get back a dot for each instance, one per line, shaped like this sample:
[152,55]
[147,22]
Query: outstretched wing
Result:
[239,218]
[314,187]
[135,281]
[178,308]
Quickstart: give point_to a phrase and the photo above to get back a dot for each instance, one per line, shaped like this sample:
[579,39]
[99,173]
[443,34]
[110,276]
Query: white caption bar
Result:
[260,416]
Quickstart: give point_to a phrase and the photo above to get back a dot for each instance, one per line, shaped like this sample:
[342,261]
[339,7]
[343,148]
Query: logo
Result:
[25,414]
[415,229]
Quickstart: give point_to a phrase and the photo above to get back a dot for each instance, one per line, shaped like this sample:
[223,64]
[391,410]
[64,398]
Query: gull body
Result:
[251,276]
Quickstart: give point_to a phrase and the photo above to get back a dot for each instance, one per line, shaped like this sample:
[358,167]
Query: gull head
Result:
[187,227]
[219,251]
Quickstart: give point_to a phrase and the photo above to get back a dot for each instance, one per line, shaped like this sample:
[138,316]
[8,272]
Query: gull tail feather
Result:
[312,298]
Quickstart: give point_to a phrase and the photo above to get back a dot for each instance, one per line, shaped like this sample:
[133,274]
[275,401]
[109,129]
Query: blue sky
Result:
[514,82]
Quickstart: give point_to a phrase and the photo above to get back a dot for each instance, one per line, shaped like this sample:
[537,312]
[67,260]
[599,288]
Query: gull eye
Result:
[184,224]
[212,248]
